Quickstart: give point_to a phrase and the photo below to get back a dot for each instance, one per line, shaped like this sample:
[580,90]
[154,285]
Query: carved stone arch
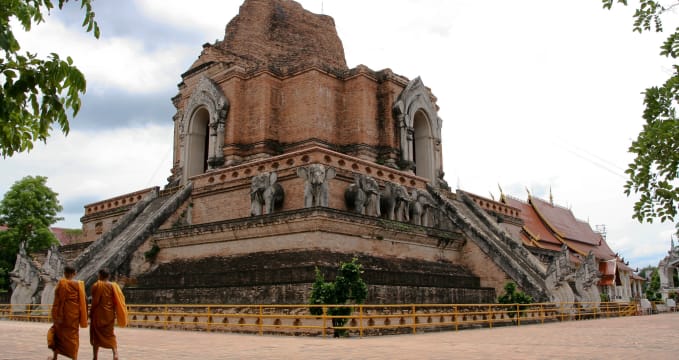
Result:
[420,130]
[202,126]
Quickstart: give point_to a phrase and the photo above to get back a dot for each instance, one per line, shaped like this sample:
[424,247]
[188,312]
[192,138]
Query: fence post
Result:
[360,319]
[455,316]
[414,316]
[209,318]
[490,316]
[261,321]
[542,313]
[518,316]
[165,316]
[325,311]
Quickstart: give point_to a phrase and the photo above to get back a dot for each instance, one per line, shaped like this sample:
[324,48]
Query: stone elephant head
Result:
[423,208]
[363,196]
[265,194]
[316,178]
[395,202]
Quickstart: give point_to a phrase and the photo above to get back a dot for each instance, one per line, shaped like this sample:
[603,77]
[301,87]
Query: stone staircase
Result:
[507,253]
[115,246]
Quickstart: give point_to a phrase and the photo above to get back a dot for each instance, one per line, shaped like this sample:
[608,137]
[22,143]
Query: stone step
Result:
[512,257]
[114,247]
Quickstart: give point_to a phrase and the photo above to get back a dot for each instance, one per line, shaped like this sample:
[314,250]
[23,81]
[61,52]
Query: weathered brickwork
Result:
[484,267]
[270,101]
[251,278]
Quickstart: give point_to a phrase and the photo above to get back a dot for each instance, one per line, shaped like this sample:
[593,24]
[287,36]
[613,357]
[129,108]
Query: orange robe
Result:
[69,311]
[108,304]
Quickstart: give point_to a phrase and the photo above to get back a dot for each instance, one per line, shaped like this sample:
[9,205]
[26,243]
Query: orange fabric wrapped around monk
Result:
[108,305]
[69,311]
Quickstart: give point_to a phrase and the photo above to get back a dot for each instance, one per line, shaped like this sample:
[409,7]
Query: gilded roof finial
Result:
[528,192]
[551,198]
[502,194]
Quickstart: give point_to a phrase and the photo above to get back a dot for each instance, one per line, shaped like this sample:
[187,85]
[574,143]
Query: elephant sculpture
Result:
[265,194]
[316,178]
[395,202]
[363,196]
[423,208]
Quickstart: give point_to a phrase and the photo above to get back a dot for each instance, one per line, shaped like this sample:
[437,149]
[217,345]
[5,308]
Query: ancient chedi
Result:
[286,160]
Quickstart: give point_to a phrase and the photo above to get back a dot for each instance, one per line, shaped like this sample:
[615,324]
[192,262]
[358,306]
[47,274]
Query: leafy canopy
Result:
[653,289]
[514,296]
[347,287]
[35,93]
[654,173]
[28,209]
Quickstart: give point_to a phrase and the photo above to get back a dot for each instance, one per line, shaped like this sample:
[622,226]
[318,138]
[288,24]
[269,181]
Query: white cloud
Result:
[532,94]
[96,165]
[111,62]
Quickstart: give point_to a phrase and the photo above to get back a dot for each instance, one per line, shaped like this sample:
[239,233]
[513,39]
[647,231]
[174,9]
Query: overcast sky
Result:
[533,95]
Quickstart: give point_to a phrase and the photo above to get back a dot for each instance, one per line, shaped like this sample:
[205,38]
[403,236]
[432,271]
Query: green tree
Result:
[646,273]
[654,173]
[514,296]
[653,288]
[35,93]
[28,209]
[348,287]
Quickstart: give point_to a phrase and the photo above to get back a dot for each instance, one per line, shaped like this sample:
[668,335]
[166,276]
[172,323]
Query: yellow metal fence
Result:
[365,320]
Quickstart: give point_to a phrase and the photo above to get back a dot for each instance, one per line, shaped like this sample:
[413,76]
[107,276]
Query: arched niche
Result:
[202,129]
[419,131]
[423,147]
[197,143]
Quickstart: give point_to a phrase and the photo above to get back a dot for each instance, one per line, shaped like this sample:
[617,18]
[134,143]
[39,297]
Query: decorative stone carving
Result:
[441,182]
[24,278]
[586,277]
[265,194]
[413,102]
[316,178]
[208,95]
[423,208]
[363,196]
[50,273]
[667,268]
[395,202]
[559,274]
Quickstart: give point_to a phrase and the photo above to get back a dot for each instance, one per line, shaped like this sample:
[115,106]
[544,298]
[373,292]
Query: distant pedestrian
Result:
[69,311]
[108,305]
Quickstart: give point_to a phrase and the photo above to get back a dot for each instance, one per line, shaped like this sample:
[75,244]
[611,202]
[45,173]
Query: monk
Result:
[69,311]
[108,305]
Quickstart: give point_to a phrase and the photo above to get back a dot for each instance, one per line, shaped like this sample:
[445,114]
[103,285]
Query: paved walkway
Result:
[641,337]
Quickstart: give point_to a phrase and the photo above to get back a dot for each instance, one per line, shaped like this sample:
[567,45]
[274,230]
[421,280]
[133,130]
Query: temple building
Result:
[546,229]
[286,160]
[668,270]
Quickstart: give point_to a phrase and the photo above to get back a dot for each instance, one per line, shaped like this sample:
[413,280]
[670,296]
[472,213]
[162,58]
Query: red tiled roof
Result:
[549,227]
[534,226]
[62,235]
[637,277]
[565,223]
[623,266]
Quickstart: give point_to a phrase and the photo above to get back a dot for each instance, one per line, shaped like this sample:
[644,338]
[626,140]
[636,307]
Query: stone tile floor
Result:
[640,337]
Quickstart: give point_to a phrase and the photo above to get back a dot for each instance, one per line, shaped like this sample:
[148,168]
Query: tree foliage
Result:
[348,287]
[514,296]
[28,209]
[35,93]
[653,288]
[654,173]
